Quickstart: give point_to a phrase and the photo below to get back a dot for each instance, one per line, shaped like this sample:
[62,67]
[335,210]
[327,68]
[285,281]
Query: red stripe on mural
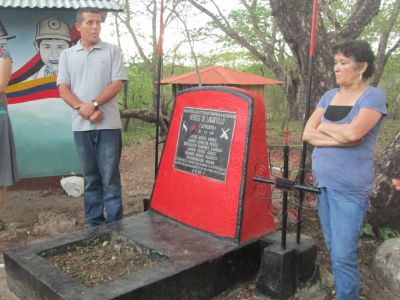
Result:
[25,68]
[35,96]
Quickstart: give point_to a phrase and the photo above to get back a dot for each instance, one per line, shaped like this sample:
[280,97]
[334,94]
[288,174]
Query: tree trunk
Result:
[125,105]
[384,54]
[145,115]
[294,21]
[385,200]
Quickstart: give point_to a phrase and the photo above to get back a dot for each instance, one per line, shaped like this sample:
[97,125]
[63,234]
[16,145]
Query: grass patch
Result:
[275,132]
[138,131]
[389,129]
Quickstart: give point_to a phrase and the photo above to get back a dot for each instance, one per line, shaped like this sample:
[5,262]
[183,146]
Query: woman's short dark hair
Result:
[361,52]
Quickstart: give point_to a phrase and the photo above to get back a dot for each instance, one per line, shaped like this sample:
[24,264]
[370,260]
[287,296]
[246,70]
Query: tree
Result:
[390,82]
[181,14]
[142,41]
[252,27]
[385,30]
[385,200]
[293,19]
[259,24]
[134,16]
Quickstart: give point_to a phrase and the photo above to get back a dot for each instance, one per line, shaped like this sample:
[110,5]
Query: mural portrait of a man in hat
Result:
[4,36]
[52,37]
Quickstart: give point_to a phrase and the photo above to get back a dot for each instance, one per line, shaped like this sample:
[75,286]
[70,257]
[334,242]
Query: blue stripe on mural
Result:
[39,88]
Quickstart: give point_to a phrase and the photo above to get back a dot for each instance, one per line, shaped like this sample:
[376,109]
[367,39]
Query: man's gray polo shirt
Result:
[88,73]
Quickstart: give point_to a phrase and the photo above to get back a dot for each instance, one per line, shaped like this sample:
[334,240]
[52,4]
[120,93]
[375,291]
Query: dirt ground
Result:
[33,216]
[36,215]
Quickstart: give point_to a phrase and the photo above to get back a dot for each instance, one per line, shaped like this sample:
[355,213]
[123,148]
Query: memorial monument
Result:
[205,228]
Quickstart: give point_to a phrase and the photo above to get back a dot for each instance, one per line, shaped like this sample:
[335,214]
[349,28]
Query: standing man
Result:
[90,75]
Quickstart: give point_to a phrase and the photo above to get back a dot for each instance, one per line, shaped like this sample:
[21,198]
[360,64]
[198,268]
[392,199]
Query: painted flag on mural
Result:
[31,90]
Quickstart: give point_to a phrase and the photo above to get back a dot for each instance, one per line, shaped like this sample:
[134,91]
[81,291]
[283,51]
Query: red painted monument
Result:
[208,222]
[216,141]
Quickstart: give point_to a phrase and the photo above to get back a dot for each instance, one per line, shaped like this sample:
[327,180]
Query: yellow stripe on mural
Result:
[29,84]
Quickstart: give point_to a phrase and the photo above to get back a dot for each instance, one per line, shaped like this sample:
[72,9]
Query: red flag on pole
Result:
[313,28]
[160,37]
[158,96]
[307,113]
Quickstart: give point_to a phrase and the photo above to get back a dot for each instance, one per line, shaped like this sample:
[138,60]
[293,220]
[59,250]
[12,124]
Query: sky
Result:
[174,33]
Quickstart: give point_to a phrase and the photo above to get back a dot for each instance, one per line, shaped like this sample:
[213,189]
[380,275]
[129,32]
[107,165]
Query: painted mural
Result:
[41,120]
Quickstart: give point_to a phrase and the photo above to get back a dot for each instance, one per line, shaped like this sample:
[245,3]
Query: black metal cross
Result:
[286,185]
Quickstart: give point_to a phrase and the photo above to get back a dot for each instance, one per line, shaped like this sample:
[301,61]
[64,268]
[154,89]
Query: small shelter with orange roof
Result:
[216,75]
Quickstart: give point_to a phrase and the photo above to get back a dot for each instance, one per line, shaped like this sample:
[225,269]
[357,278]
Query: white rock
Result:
[386,265]
[73,185]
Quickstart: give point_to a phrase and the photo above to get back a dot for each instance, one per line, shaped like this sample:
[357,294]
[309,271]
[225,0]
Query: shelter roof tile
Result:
[220,76]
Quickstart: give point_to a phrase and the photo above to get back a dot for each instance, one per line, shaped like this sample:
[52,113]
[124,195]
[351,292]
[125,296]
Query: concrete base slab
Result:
[282,271]
[277,273]
[193,265]
[5,294]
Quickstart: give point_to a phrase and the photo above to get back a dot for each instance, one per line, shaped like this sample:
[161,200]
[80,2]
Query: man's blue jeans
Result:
[342,216]
[99,152]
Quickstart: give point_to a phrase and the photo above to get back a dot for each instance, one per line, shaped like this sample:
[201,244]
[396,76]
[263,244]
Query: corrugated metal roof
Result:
[220,75]
[108,5]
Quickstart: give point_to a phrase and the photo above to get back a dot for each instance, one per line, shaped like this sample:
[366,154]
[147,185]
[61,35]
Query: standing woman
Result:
[343,128]
[8,166]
